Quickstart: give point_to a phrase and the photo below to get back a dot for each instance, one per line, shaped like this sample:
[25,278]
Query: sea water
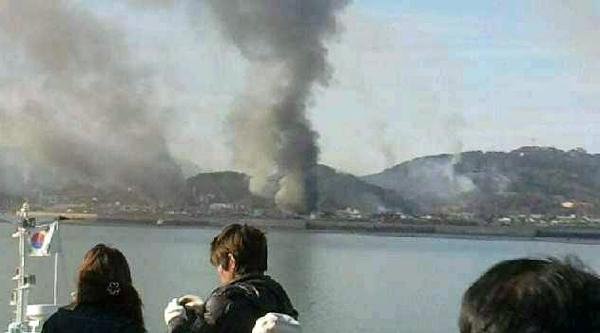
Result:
[339,282]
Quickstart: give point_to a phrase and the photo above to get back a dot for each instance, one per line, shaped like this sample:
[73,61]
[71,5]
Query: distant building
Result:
[226,207]
[221,206]
[349,213]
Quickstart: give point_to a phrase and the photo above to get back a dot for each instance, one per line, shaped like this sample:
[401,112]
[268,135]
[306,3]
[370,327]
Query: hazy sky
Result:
[410,78]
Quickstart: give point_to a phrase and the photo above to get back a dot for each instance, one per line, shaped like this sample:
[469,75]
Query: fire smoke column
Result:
[272,138]
[77,104]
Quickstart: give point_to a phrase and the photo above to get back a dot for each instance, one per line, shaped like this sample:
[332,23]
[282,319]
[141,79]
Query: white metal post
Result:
[55,278]
[20,313]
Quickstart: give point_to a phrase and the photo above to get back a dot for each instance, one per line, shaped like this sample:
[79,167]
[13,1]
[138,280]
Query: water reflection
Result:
[345,282]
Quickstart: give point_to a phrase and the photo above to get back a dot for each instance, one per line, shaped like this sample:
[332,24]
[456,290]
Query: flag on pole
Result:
[40,239]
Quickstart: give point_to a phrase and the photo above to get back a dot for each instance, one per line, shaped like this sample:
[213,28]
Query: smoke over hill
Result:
[273,140]
[73,102]
[526,180]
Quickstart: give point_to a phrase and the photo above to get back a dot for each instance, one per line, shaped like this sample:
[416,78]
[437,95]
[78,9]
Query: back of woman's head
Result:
[533,296]
[104,280]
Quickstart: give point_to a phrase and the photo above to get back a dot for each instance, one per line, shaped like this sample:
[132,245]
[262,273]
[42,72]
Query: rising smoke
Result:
[77,104]
[272,138]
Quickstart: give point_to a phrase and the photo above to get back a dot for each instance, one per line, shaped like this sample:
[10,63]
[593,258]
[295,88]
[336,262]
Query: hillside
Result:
[339,190]
[526,180]
[336,191]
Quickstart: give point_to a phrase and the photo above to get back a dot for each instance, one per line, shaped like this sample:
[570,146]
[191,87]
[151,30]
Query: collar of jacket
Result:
[248,276]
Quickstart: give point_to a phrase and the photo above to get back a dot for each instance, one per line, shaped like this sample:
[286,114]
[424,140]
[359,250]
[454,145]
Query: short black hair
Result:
[533,296]
[247,244]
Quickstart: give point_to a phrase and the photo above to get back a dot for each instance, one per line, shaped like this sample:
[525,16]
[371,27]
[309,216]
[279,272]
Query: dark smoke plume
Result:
[272,139]
[77,104]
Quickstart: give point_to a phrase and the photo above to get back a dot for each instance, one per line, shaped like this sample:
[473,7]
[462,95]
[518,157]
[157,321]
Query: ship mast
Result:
[19,298]
[20,277]
[28,318]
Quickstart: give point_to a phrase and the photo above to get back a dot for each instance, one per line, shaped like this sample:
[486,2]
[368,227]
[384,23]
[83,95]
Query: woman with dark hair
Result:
[106,301]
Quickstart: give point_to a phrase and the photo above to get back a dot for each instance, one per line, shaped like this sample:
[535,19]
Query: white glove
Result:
[174,309]
[192,302]
[276,323]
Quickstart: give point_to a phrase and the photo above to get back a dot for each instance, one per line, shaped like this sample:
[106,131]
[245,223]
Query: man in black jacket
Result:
[240,255]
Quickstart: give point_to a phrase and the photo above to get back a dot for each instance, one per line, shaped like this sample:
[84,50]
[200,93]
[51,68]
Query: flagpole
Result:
[21,291]
[57,249]
[21,304]
[55,278]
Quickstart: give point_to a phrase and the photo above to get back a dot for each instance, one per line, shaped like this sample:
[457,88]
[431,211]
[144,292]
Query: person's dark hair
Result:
[104,280]
[247,245]
[533,296]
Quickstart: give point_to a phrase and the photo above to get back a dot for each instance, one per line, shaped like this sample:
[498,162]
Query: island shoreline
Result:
[570,234]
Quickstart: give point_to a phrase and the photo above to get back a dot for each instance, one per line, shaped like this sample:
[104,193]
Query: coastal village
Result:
[573,214]
[528,187]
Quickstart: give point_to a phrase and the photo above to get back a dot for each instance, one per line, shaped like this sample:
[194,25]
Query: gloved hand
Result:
[276,323]
[192,302]
[174,309]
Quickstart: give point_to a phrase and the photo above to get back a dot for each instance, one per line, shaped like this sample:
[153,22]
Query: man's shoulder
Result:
[248,287]
[217,304]
[259,292]
[241,293]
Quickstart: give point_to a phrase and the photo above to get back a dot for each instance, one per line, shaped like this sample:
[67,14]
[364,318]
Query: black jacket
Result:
[89,319]
[234,307]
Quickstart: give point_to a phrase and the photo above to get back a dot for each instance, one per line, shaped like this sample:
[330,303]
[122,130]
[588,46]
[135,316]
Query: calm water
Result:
[338,282]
